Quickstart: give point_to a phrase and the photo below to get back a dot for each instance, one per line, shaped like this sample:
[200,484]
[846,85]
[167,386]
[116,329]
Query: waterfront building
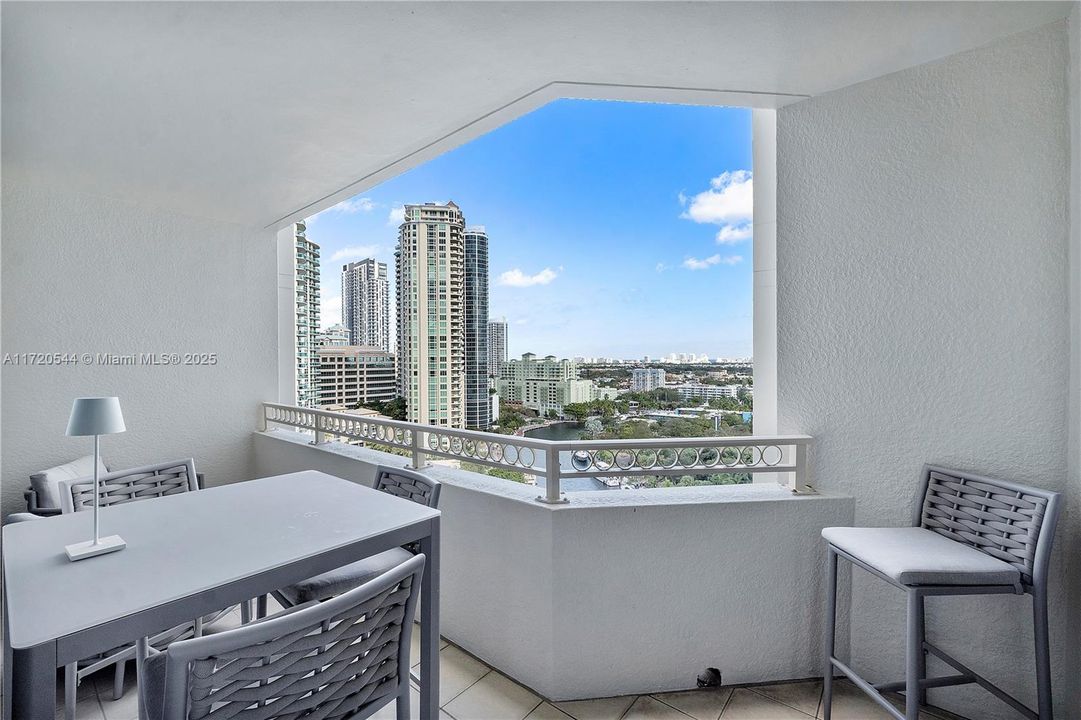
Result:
[497,346]
[366,303]
[306,272]
[429,267]
[478,408]
[646,379]
[352,375]
[694,391]
[545,384]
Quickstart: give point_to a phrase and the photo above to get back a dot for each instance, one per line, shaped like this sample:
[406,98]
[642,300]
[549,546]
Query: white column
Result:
[764,128]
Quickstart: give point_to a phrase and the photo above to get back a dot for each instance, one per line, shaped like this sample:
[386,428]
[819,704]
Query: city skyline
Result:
[605,245]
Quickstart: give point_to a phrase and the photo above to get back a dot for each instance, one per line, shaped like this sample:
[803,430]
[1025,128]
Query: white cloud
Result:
[330,311]
[346,207]
[706,263]
[354,251]
[730,199]
[397,215]
[661,267]
[517,278]
[732,234]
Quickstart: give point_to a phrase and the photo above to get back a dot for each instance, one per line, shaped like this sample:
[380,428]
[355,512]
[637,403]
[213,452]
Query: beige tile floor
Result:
[470,690]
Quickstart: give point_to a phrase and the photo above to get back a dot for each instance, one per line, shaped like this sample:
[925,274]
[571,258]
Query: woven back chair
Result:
[407,484]
[972,535]
[343,658]
[122,486]
[1001,519]
[139,483]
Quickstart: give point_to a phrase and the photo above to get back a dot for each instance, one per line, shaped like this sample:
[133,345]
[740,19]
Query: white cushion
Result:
[46,483]
[916,556]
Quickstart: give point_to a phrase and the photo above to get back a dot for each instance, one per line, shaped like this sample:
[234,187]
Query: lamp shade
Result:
[96,416]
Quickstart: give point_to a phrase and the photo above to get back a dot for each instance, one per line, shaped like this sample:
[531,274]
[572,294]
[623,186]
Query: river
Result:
[557,431]
[565,431]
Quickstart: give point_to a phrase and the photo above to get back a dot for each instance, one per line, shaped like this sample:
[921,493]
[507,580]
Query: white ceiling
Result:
[251,112]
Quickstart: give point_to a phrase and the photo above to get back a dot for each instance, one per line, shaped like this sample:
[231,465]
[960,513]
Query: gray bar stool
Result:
[973,536]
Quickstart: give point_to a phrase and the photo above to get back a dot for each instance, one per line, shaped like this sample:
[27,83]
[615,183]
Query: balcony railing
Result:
[784,456]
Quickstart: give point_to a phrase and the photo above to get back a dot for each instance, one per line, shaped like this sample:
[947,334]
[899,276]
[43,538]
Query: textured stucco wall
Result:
[89,274]
[923,315]
[616,593]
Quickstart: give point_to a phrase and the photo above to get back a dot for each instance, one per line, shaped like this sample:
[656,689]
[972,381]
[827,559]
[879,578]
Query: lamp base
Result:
[88,549]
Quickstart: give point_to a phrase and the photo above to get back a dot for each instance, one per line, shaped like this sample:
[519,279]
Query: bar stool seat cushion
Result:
[917,556]
[339,580]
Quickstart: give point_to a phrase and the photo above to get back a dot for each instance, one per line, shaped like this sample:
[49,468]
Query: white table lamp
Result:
[95,416]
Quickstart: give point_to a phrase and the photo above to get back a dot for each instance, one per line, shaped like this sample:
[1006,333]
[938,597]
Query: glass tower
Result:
[478,407]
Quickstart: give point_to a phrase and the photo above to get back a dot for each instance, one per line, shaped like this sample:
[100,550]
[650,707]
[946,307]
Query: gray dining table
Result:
[188,555]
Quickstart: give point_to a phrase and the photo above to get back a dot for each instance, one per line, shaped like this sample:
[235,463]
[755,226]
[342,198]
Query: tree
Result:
[578,411]
[395,409]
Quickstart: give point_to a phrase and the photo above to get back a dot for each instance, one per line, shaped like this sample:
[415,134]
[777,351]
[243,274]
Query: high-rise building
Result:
[306,271]
[646,379]
[478,408]
[350,376]
[336,335]
[430,297]
[497,346]
[366,303]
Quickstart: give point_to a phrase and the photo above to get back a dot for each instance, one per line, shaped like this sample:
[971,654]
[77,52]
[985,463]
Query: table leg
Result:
[6,667]
[33,680]
[429,626]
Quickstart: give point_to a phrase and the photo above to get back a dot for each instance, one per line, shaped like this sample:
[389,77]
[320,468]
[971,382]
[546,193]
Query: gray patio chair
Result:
[407,484]
[123,486]
[343,658]
[44,493]
[973,536]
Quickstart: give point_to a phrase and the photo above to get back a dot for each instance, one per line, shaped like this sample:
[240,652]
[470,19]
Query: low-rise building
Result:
[351,375]
[711,392]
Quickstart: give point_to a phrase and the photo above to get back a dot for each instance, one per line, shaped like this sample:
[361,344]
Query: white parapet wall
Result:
[617,591]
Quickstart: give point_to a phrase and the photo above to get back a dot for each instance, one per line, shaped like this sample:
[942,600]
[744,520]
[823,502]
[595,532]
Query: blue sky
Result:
[615,229]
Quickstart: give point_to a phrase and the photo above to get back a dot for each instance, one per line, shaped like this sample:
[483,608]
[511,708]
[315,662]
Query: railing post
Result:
[260,424]
[420,458]
[799,477]
[320,436]
[552,495]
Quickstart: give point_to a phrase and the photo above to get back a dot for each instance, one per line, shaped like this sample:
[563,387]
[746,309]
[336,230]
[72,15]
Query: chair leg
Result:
[260,607]
[71,685]
[142,652]
[921,655]
[403,700]
[1043,652]
[913,652]
[118,679]
[831,632]
[245,612]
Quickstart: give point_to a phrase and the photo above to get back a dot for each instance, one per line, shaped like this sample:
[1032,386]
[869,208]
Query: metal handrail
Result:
[779,454]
